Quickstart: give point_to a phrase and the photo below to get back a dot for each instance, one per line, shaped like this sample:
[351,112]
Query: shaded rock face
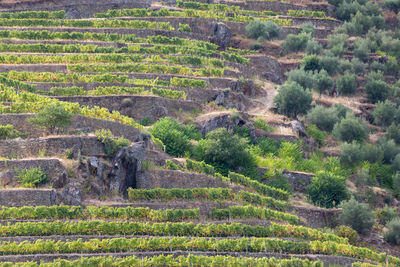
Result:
[221,34]
[126,164]
[72,195]
[298,128]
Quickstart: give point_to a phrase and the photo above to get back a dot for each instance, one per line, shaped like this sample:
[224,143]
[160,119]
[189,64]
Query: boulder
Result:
[126,164]
[61,180]
[298,128]
[72,195]
[221,34]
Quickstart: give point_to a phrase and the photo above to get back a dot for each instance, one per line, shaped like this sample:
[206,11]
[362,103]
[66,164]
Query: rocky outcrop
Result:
[126,164]
[221,34]
[298,128]
[71,195]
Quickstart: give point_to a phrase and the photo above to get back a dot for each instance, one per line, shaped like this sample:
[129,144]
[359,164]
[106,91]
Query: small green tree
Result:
[377,90]
[350,129]
[293,100]
[384,113]
[310,63]
[224,150]
[31,177]
[313,47]
[324,118]
[347,84]
[302,77]
[262,31]
[393,132]
[393,5]
[357,215]
[296,43]
[392,235]
[327,190]
[52,117]
[361,49]
[323,82]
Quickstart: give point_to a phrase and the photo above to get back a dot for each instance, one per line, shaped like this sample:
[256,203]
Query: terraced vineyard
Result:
[147,133]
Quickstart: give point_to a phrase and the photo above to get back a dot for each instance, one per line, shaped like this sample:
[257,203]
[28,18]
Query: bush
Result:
[350,153]
[293,100]
[175,137]
[330,64]
[391,67]
[323,82]
[363,177]
[327,190]
[347,232]
[386,214]
[32,177]
[393,132]
[300,76]
[392,235]
[357,215]
[337,43]
[324,118]
[393,5]
[377,90]
[262,31]
[361,49]
[111,143]
[384,113]
[396,182]
[346,66]
[389,149]
[358,66]
[307,27]
[347,84]
[8,132]
[52,117]
[267,145]
[310,63]
[296,43]
[396,163]
[350,129]
[313,47]
[224,150]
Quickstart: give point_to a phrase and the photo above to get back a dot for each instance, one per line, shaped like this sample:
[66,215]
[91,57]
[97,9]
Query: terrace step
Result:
[24,197]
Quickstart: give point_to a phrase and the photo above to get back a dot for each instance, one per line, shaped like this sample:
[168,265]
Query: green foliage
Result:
[266,146]
[389,148]
[184,28]
[377,90]
[324,118]
[224,150]
[327,190]
[393,5]
[176,137]
[361,49]
[337,43]
[330,64]
[357,215]
[310,63]
[318,135]
[323,82]
[111,143]
[262,31]
[263,125]
[351,129]
[290,150]
[358,66]
[392,235]
[347,232]
[308,27]
[32,177]
[53,116]
[293,100]
[363,178]
[347,84]
[393,132]
[146,120]
[300,76]
[279,181]
[296,43]
[8,132]
[386,214]
[391,67]
[384,113]
[313,47]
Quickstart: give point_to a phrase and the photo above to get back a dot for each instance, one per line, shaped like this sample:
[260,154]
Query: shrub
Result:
[350,153]
[384,113]
[386,214]
[279,181]
[371,153]
[377,90]
[267,145]
[300,76]
[175,137]
[293,100]
[363,177]
[337,43]
[32,177]
[310,63]
[396,163]
[8,132]
[111,143]
[389,148]
[347,84]
[330,64]
[307,27]
[391,67]
[323,82]
[324,118]
[52,117]
[361,49]
[357,215]
[358,66]
[393,132]
[313,47]
[327,190]
[393,5]
[296,43]
[351,129]
[263,125]
[224,150]
[346,66]
[396,182]
[262,31]
[392,235]
[347,232]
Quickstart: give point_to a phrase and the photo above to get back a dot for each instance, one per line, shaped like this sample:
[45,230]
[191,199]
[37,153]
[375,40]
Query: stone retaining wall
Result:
[27,197]
[316,217]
